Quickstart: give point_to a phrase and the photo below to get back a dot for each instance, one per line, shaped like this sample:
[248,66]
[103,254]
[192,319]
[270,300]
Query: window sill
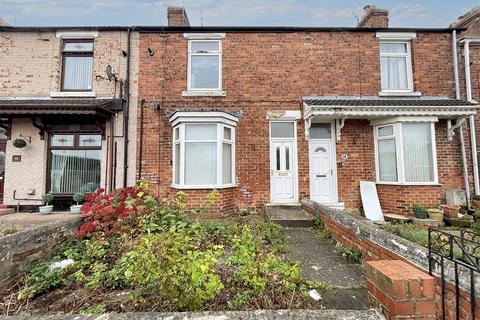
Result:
[386,93]
[176,186]
[434,184]
[73,94]
[194,93]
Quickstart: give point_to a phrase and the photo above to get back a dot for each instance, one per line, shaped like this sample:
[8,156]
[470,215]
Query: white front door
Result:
[323,184]
[282,172]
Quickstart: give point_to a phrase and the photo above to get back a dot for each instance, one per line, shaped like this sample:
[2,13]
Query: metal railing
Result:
[460,251]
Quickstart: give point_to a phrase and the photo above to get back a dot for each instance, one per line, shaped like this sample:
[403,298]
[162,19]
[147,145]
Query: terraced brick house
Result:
[265,115]
[271,115]
[67,110]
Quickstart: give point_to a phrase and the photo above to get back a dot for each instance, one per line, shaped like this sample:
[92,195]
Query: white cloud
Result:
[409,10]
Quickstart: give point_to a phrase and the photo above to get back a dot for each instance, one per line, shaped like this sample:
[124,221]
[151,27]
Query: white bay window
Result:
[405,153]
[203,154]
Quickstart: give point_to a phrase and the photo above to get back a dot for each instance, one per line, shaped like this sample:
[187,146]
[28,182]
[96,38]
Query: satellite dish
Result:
[110,74]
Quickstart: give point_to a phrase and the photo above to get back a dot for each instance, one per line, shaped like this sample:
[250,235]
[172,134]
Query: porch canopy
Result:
[37,107]
[377,108]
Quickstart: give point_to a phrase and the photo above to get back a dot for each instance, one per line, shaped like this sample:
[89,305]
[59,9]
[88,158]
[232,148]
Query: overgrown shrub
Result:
[133,242]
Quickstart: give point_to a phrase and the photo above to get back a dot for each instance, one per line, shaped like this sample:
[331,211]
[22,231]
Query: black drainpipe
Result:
[140,141]
[126,112]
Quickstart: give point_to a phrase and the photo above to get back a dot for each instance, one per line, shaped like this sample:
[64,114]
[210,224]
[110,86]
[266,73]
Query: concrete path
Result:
[322,261]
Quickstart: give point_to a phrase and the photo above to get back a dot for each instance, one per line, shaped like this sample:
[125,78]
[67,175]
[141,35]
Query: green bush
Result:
[39,279]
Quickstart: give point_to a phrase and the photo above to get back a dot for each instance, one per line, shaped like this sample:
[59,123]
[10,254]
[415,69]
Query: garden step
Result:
[289,216]
[4,211]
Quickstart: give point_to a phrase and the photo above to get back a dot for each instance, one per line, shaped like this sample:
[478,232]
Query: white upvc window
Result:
[203,155]
[204,65]
[396,66]
[405,153]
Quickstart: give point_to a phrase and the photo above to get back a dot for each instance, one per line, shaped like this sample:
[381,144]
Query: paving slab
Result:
[322,261]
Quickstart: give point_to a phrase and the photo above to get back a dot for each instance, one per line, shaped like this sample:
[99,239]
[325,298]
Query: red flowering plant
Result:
[115,212]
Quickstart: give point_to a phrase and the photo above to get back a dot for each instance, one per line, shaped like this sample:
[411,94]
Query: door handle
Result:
[321,175]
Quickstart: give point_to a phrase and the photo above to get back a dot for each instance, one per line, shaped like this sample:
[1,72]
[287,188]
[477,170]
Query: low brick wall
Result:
[376,244]
[20,249]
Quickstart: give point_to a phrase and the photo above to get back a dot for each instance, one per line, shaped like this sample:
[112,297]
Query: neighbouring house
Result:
[68,95]
[270,115]
[468,43]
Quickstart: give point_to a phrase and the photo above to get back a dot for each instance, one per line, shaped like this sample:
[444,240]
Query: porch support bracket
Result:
[40,126]
[339,124]
[451,128]
[308,124]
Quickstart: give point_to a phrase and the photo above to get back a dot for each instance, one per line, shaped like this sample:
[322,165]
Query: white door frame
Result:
[294,161]
[333,158]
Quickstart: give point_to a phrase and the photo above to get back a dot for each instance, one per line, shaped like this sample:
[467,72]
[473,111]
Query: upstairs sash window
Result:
[396,66]
[77,65]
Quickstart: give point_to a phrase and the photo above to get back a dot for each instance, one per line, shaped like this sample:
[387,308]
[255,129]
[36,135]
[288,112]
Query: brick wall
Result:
[21,249]
[376,244]
[272,71]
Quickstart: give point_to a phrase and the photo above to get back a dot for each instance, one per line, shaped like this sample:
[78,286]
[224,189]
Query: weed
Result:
[95,309]
[351,255]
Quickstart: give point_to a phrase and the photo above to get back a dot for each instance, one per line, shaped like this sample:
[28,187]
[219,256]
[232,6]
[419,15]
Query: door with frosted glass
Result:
[322,186]
[282,173]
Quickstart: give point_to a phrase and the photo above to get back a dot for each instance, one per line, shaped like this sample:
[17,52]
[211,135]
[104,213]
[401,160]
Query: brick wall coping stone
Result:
[371,314]
[412,252]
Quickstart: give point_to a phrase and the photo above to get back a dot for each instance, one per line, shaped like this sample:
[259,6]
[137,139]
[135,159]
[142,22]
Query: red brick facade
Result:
[265,71]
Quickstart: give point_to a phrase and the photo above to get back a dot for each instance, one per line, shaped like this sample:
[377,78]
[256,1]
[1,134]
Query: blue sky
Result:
[428,13]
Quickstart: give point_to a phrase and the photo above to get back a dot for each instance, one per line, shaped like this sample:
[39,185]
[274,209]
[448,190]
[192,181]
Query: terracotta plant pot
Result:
[450,211]
[435,214]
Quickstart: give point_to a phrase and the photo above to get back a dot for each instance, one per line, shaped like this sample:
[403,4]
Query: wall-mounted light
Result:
[150,52]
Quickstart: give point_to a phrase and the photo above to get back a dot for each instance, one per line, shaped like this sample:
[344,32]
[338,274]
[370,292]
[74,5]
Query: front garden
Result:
[136,253]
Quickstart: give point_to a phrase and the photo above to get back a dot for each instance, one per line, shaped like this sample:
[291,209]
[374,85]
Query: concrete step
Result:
[289,216]
[5,211]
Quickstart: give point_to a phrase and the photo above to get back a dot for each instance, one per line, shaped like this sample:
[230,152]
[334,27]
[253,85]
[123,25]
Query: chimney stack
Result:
[373,17]
[177,17]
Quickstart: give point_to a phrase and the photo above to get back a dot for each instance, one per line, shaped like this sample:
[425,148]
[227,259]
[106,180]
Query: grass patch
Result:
[411,232]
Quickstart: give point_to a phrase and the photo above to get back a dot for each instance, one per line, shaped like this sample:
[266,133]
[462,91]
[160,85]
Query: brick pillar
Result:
[400,290]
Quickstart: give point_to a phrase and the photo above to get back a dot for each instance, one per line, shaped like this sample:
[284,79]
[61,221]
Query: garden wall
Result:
[20,249]
[376,244]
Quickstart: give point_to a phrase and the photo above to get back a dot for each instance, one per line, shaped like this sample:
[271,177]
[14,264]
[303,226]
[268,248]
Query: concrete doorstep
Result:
[371,314]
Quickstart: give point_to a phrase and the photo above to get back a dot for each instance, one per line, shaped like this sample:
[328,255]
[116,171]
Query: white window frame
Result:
[398,136]
[208,91]
[220,140]
[408,58]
